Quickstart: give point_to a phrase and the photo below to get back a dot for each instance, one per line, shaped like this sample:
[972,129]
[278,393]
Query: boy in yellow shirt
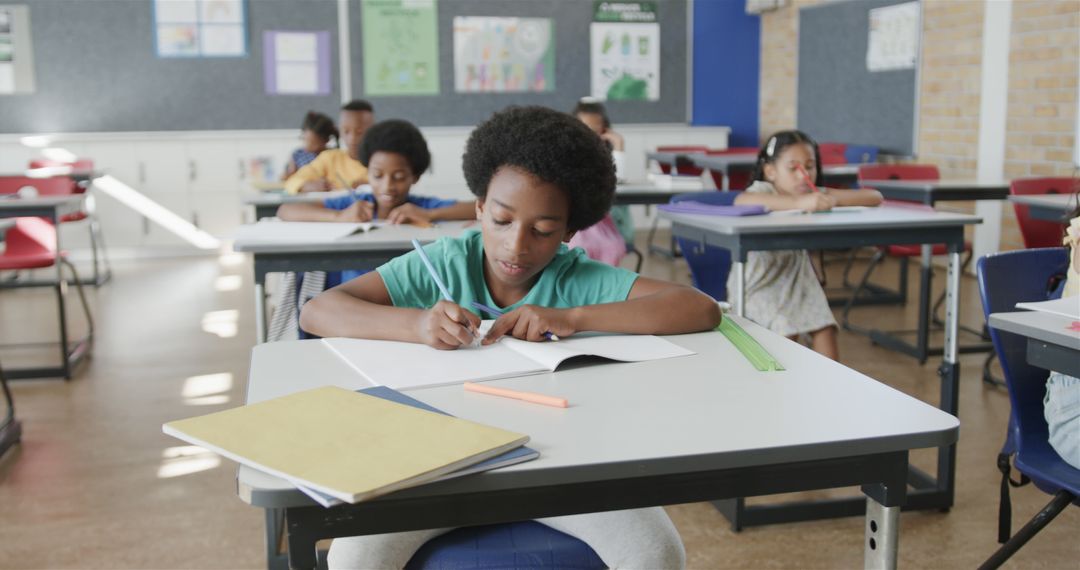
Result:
[338,168]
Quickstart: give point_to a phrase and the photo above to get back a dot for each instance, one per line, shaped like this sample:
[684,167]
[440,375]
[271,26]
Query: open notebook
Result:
[345,444]
[299,232]
[403,365]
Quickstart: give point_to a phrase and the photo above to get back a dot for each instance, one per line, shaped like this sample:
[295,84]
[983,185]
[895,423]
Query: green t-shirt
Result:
[570,280]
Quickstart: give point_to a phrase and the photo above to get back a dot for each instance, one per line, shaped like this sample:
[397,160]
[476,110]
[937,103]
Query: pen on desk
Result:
[497,313]
[532,397]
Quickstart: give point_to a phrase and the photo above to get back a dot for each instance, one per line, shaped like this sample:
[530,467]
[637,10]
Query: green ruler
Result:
[748,346]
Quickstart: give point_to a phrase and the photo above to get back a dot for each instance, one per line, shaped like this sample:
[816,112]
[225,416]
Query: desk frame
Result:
[930,492]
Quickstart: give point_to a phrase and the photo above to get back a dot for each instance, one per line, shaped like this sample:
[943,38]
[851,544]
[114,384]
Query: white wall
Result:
[202,176]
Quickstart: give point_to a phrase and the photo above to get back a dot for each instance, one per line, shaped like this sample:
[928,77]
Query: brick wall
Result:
[779,68]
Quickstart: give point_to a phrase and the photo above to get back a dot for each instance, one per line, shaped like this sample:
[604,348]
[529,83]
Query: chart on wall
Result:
[625,51]
[200,28]
[16,54]
[401,47]
[503,55]
[893,40]
[296,63]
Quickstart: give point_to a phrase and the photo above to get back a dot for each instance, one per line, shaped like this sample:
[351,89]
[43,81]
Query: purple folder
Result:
[701,208]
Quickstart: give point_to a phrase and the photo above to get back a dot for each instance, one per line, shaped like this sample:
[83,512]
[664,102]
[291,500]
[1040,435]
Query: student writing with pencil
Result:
[782,290]
[539,176]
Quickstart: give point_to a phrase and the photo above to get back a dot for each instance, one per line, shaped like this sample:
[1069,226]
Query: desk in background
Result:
[266,205]
[875,226]
[704,438]
[930,192]
[1050,343]
[1048,207]
[725,164]
[363,251]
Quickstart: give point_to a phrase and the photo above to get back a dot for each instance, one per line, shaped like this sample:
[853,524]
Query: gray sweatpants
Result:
[638,538]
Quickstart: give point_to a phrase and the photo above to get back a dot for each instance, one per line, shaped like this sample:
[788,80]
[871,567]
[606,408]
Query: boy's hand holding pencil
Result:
[410,214]
[359,211]
[448,326]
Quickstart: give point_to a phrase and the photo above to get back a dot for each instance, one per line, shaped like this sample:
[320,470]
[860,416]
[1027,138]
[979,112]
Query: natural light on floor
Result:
[228,283]
[185,460]
[221,323]
[207,390]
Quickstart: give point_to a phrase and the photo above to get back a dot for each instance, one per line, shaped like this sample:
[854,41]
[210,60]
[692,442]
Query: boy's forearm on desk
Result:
[459,211]
[676,310]
[338,314]
[300,212]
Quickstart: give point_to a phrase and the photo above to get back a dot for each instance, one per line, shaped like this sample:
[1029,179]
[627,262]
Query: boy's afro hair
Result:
[552,146]
[398,136]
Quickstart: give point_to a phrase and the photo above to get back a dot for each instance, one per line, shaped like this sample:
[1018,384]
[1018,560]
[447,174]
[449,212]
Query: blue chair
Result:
[709,266]
[860,154]
[526,544]
[1026,438]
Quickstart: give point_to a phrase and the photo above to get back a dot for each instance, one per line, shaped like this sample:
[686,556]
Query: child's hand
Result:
[447,326]
[409,214]
[320,185]
[529,322]
[614,139]
[358,211]
[815,202]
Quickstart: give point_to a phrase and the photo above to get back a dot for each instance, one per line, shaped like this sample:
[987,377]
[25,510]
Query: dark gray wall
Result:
[839,99]
[96,70]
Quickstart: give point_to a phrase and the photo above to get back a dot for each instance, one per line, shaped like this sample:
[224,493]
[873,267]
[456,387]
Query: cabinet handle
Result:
[142,173]
[145,226]
[191,171]
[195,219]
[240,169]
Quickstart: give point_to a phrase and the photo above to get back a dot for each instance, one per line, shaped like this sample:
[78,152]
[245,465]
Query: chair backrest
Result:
[1040,233]
[860,154]
[78,165]
[832,153]
[683,149]
[709,266]
[869,172]
[51,186]
[1005,279]
[738,179]
[30,236]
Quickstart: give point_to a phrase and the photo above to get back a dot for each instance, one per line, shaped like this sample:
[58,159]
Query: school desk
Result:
[873,226]
[840,175]
[1048,207]
[930,192]
[1051,342]
[725,163]
[635,435]
[644,194]
[366,250]
[671,159]
[10,426]
[266,205]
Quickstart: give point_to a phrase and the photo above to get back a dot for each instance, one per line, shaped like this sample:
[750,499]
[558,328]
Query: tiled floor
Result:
[96,484]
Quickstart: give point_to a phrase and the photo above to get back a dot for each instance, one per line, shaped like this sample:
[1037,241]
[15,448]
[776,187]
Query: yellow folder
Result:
[349,445]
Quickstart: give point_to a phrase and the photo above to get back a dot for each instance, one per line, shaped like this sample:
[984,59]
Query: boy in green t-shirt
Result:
[539,175]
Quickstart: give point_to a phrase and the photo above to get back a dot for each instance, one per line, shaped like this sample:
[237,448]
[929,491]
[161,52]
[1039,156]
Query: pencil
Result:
[431,269]
[532,397]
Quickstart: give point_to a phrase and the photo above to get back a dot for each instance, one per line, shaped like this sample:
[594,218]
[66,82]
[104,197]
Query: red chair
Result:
[1039,233]
[63,185]
[683,169]
[832,153]
[738,178]
[869,172]
[31,244]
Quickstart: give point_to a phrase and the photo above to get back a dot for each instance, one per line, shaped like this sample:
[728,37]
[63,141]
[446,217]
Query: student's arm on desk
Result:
[652,307]
[359,211]
[411,213]
[362,308]
[813,201]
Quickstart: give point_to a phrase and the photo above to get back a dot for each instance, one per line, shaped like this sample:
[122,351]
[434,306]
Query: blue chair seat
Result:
[525,544]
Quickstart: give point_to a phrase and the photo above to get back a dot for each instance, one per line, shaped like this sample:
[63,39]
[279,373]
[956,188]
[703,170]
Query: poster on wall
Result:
[503,55]
[200,28]
[625,51]
[893,41]
[296,63]
[16,54]
[401,47]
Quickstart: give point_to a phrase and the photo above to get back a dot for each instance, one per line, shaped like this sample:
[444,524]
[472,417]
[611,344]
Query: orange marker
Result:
[517,395]
[806,176]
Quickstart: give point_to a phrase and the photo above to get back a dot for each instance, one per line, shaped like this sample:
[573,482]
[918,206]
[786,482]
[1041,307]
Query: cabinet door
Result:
[121,224]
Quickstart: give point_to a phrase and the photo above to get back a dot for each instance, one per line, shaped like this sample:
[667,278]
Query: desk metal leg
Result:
[882,536]
[739,294]
[260,312]
[926,282]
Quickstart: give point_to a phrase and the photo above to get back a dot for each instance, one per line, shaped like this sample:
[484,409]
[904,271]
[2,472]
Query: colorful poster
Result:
[200,28]
[625,50]
[503,55]
[296,63]
[16,51]
[893,41]
[401,47]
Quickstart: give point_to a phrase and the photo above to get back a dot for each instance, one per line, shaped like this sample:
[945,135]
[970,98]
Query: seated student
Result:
[782,291]
[340,167]
[605,240]
[539,175]
[315,132]
[395,154]
[1061,406]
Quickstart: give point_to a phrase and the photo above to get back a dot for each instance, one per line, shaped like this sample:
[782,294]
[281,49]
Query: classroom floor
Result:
[95,484]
